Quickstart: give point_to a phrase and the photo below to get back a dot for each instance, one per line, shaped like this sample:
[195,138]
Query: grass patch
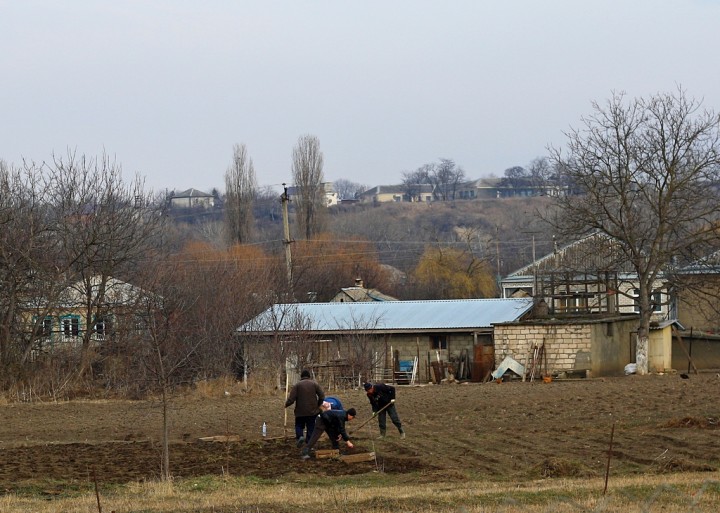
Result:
[694,422]
[368,493]
[50,489]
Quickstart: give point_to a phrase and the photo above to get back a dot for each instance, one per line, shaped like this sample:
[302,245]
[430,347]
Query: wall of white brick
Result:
[563,343]
[595,347]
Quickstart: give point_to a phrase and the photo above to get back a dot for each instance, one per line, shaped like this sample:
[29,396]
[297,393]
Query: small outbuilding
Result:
[398,341]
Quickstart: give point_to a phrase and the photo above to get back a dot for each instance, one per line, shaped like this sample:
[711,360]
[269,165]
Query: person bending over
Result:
[331,422]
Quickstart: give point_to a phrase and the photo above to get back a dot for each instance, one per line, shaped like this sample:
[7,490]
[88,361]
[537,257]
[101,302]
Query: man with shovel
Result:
[382,400]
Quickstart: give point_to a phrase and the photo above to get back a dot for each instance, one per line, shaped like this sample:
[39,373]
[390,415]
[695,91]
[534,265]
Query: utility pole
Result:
[286,230]
[497,255]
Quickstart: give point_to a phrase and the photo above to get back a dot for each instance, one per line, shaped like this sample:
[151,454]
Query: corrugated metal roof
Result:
[456,314]
[192,193]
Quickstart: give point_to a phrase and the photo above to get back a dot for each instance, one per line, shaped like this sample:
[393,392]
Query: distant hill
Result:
[402,230]
[492,228]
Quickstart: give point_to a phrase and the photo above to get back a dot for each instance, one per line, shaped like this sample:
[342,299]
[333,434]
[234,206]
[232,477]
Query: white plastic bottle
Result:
[264,429]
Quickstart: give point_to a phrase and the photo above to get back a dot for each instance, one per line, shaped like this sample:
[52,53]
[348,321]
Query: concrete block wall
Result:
[567,347]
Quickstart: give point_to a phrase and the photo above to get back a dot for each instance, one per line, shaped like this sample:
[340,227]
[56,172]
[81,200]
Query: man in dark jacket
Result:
[307,396]
[331,422]
[382,401]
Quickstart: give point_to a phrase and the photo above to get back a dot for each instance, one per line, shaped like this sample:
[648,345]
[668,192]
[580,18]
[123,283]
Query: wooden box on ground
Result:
[220,438]
[357,458]
[327,453]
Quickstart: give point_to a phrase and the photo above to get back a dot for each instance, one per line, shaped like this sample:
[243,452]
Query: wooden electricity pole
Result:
[286,230]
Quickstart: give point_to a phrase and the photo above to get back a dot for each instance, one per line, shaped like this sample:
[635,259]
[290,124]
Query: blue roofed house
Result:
[392,341]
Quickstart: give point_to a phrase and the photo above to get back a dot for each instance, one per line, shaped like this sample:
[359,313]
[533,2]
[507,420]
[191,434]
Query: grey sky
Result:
[167,87]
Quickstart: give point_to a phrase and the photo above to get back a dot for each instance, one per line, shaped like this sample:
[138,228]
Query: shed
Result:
[390,340]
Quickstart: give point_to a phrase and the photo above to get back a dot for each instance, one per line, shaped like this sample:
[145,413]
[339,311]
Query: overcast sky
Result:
[167,87]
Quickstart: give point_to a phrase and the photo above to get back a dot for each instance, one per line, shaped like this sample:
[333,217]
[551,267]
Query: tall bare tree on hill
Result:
[307,171]
[647,170]
[413,181]
[240,193]
[347,189]
[446,176]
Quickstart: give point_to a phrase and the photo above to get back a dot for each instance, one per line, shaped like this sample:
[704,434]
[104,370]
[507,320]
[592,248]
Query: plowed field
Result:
[509,431]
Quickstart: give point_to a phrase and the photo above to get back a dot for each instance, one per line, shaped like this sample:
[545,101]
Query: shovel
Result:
[375,415]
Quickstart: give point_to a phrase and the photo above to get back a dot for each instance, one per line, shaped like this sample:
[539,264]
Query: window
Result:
[438,342]
[44,328]
[70,325]
[655,301]
[572,304]
[102,326]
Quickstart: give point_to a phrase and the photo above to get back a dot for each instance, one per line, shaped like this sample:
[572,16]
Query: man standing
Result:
[382,400]
[307,395]
[332,422]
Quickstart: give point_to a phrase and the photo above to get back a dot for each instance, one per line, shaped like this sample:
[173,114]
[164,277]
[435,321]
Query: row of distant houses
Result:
[484,188]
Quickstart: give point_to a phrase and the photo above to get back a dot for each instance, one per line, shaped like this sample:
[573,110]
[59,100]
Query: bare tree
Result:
[27,267]
[360,344]
[267,356]
[102,228]
[540,171]
[446,176]
[516,176]
[307,171]
[240,192]
[647,170]
[347,189]
[163,344]
[414,180]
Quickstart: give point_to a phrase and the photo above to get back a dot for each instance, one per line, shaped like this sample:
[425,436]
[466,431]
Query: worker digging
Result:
[382,401]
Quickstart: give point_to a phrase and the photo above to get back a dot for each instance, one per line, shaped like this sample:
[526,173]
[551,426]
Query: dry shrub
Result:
[228,385]
[693,422]
[556,467]
[213,388]
[676,465]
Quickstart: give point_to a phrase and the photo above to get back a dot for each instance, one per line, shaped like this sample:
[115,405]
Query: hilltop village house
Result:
[399,341]
[327,189]
[588,316]
[192,198]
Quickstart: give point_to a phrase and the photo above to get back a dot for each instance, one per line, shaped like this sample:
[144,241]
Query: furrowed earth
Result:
[511,431]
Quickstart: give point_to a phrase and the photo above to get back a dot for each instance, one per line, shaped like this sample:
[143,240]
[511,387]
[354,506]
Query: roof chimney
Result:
[359,282]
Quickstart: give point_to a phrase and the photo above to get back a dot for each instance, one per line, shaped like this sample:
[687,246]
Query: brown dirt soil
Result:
[508,431]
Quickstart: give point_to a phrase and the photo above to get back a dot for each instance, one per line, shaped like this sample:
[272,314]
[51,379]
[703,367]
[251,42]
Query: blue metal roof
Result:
[454,314]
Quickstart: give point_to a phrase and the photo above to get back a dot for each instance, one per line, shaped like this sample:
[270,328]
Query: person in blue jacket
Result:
[331,403]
